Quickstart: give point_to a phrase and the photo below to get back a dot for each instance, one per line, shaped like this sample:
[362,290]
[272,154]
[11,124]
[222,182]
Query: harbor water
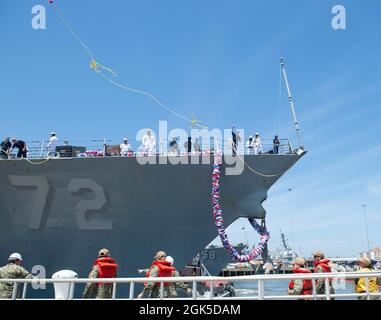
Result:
[279,287]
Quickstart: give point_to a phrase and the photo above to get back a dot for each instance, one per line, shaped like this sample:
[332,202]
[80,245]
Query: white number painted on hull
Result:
[208,254]
[83,206]
[38,206]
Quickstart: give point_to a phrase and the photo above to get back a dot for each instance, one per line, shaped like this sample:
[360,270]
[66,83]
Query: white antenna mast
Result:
[291,102]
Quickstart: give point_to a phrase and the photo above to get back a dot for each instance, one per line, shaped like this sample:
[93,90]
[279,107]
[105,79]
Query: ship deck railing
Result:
[37,149]
[260,280]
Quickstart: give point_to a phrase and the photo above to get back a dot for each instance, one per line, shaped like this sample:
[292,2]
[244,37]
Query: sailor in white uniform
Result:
[149,142]
[125,148]
[51,147]
[250,145]
[257,144]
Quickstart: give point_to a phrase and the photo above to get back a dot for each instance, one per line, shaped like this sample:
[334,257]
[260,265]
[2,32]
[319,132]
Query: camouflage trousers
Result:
[6,291]
[371,298]
[104,291]
[5,294]
[169,292]
[94,291]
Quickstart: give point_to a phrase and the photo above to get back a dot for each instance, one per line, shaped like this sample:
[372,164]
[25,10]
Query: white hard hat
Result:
[170,260]
[125,139]
[257,134]
[15,256]
[250,137]
[52,133]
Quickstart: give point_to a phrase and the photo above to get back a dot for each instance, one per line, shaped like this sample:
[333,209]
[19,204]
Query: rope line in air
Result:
[257,172]
[99,68]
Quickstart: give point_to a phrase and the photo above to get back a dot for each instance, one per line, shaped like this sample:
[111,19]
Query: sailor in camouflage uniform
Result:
[322,265]
[176,285]
[104,267]
[162,267]
[300,287]
[13,270]
[159,268]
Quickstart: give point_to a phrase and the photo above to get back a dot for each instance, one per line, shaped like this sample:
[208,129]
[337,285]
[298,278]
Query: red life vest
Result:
[106,268]
[307,284]
[165,270]
[324,264]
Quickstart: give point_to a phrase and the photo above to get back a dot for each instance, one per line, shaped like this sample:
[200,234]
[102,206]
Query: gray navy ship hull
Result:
[58,214]
[215,259]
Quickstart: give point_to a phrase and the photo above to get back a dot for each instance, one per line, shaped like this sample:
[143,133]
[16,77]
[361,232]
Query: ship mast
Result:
[291,102]
[284,241]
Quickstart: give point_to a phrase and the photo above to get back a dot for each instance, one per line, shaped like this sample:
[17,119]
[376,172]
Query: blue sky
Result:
[218,59]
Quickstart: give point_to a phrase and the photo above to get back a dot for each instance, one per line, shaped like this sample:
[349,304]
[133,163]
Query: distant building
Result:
[377,253]
[373,254]
[365,254]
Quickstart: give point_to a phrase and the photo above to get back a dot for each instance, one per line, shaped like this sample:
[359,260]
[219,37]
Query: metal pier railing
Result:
[258,281]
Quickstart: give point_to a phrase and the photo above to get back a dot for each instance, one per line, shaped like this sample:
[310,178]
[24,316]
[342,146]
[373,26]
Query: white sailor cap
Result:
[15,256]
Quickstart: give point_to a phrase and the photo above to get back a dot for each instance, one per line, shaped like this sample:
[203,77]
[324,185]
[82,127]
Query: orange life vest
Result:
[106,268]
[324,264]
[165,270]
[307,284]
